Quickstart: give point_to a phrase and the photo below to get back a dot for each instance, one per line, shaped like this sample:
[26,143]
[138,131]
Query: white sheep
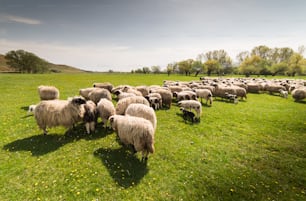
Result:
[105,109]
[120,94]
[105,85]
[98,93]
[85,92]
[204,93]
[54,113]
[192,104]
[166,95]
[48,92]
[90,116]
[185,95]
[122,104]
[141,110]
[299,93]
[135,131]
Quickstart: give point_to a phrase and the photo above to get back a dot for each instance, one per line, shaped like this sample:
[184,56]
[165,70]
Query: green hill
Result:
[54,68]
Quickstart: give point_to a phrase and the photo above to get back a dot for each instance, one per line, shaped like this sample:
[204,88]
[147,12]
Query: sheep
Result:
[187,115]
[90,116]
[192,104]
[120,94]
[155,100]
[48,92]
[166,96]
[231,97]
[54,113]
[31,109]
[98,93]
[105,109]
[105,85]
[204,93]
[85,92]
[299,94]
[125,102]
[135,131]
[283,93]
[185,95]
[240,92]
[132,90]
[274,88]
[143,89]
[221,90]
[141,110]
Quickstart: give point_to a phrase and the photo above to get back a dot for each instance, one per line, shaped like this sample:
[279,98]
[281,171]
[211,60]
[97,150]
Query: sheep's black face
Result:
[78,101]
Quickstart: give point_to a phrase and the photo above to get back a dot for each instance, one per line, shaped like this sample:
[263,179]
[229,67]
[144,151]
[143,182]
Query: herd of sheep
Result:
[133,116]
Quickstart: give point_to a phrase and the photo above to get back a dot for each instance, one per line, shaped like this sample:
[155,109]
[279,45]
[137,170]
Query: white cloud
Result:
[19,19]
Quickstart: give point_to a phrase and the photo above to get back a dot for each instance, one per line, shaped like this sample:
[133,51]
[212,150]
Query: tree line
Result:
[261,60]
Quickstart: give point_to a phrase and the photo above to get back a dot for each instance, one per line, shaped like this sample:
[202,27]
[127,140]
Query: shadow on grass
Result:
[125,168]
[42,144]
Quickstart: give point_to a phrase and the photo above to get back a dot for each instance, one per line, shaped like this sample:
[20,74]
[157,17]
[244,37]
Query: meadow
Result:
[253,150]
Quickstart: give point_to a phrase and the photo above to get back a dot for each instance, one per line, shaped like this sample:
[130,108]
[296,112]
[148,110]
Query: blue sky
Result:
[122,35]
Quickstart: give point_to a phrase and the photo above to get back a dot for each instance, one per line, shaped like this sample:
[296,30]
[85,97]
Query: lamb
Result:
[90,116]
[48,92]
[125,102]
[31,109]
[54,113]
[185,95]
[187,115]
[299,94]
[135,131]
[231,97]
[105,109]
[141,110]
[98,93]
[204,93]
[192,104]
[166,96]
[105,85]
[283,93]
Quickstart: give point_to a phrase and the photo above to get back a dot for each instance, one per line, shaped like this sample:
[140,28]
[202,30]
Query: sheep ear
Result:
[111,119]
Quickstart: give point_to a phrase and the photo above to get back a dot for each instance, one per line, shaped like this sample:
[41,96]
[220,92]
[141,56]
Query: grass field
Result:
[254,150]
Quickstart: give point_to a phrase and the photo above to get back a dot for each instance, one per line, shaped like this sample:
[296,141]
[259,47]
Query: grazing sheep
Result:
[120,94]
[90,116]
[187,115]
[85,92]
[48,92]
[125,102]
[185,95]
[132,90]
[155,100]
[166,96]
[135,131]
[31,109]
[143,89]
[204,93]
[105,109]
[192,104]
[65,113]
[141,110]
[274,88]
[299,93]
[283,93]
[98,93]
[105,85]
[231,97]
[221,90]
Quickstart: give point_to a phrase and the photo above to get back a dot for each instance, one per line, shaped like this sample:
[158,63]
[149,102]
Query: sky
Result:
[124,35]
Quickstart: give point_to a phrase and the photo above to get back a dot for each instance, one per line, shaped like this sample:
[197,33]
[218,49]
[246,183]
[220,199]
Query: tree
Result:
[197,67]
[26,62]
[212,66]
[279,68]
[262,51]
[146,70]
[185,66]
[251,65]
[242,56]
[296,64]
[155,69]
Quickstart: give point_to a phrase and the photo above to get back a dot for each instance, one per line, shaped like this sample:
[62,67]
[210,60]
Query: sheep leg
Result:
[87,125]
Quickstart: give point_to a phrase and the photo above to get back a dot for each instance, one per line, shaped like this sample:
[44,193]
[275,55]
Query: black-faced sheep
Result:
[192,104]
[166,96]
[120,94]
[48,92]
[231,97]
[204,93]
[105,109]
[135,131]
[188,115]
[185,95]
[31,109]
[54,113]
[141,110]
[155,100]
[90,116]
[122,104]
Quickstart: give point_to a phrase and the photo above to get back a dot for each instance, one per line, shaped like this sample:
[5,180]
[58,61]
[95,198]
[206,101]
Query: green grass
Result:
[254,150]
